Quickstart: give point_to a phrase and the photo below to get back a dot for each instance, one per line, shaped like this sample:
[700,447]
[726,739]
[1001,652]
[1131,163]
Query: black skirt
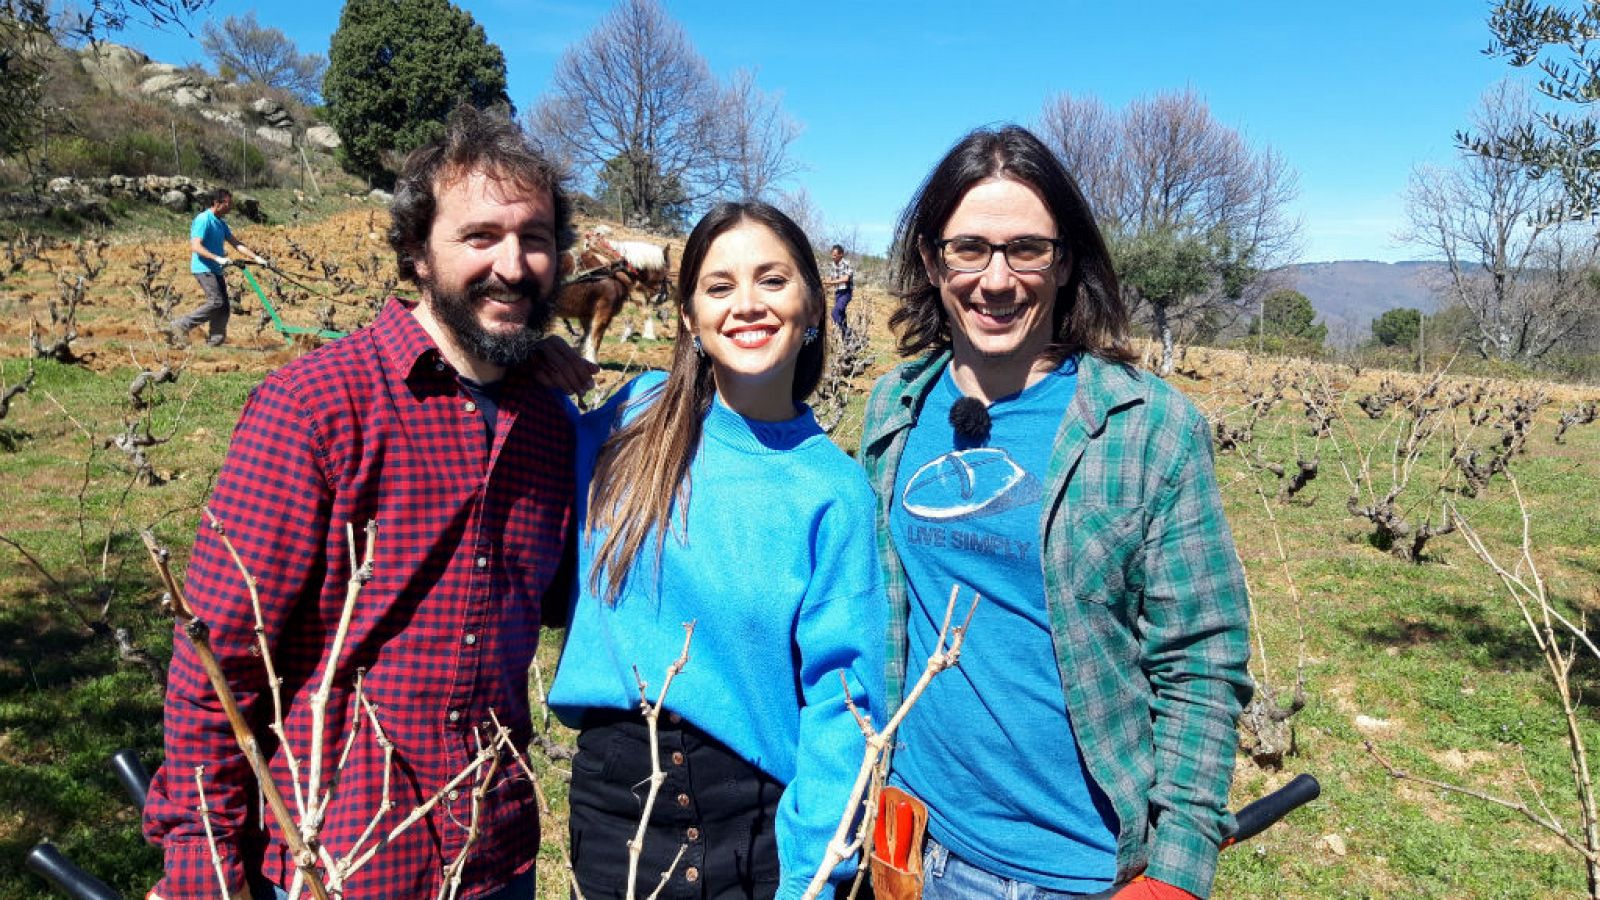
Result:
[715,805]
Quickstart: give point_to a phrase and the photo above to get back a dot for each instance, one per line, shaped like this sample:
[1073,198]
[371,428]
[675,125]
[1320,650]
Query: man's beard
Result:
[458,312]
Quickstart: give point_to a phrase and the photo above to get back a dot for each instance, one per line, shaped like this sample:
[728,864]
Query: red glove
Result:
[1143,888]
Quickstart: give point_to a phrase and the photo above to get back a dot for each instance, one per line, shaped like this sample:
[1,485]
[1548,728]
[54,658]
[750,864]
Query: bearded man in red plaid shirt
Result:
[426,422]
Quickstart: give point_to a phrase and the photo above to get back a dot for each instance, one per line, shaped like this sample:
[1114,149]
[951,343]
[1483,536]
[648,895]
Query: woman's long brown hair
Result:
[643,468]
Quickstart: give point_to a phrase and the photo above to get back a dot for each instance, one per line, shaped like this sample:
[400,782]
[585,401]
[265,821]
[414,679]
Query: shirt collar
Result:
[407,348]
[916,378]
[401,339]
[1105,387]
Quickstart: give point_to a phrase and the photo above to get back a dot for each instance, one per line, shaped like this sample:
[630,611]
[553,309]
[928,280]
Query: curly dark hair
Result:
[1089,314]
[473,140]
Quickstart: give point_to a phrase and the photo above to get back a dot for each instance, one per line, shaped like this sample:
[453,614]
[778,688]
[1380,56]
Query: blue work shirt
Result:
[212,232]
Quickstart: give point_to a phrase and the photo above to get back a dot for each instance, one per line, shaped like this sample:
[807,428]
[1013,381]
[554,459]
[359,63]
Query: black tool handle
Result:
[1258,816]
[53,866]
[132,775]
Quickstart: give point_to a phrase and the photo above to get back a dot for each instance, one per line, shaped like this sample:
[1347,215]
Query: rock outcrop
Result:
[113,67]
[125,70]
[323,137]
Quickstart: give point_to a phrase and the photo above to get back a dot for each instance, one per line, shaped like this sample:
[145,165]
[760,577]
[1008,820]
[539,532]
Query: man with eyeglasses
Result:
[1085,745]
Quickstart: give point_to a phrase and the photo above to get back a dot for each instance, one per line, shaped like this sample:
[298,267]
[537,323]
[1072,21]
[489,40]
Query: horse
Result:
[648,266]
[594,302]
[594,287]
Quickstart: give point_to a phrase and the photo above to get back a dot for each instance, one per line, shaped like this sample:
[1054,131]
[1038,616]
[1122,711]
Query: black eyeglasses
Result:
[1025,254]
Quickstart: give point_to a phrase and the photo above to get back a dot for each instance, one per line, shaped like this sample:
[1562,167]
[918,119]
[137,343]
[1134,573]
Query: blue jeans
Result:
[520,888]
[841,301]
[946,876]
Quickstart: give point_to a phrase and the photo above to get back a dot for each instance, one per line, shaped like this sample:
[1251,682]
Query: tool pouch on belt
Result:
[897,840]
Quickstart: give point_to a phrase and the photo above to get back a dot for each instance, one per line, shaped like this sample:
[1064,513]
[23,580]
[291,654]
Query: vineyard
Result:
[1422,552]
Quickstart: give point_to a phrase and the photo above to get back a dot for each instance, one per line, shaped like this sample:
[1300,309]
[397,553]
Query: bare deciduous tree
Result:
[243,48]
[634,107]
[1087,138]
[800,206]
[757,134]
[1521,274]
[635,96]
[1194,214]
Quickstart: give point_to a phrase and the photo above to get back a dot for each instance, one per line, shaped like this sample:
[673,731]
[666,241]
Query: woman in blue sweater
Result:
[713,497]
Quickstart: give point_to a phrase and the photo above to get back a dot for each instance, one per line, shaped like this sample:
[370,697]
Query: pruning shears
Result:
[902,820]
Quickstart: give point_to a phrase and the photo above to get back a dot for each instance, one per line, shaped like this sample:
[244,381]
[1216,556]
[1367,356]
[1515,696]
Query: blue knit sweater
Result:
[778,569]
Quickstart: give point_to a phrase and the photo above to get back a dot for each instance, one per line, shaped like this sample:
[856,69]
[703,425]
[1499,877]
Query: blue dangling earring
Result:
[695,343]
[811,334]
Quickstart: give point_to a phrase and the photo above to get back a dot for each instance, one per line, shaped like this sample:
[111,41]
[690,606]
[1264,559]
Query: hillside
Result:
[1349,294]
[129,133]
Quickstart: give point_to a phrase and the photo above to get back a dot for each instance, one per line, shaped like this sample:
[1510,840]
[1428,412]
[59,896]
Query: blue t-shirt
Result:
[989,747]
[487,398]
[212,231]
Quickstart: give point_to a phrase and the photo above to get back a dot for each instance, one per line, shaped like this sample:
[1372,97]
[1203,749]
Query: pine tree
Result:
[395,70]
[1289,314]
[1397,327]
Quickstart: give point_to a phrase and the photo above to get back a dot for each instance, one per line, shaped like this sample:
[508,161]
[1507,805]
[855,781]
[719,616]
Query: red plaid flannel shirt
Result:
[470,537]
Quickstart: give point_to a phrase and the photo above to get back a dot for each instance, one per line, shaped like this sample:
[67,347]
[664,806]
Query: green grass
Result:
[1435,652]
[66,701]
[1431,661]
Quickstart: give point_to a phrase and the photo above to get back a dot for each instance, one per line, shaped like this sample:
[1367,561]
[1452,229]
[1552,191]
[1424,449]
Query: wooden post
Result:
[1422,341]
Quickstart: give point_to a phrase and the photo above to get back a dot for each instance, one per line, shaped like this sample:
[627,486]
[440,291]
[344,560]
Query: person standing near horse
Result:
[209,236]
[429,424]
[1085,744]
[842,278]
[709,495]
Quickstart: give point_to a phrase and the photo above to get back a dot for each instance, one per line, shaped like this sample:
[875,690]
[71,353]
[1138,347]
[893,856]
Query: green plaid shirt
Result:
[1146,600]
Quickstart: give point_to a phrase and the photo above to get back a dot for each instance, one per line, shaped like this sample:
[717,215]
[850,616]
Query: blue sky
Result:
[1354,95]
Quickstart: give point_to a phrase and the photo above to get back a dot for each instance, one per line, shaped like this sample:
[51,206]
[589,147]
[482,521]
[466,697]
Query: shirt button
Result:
[692,834]
[674,718]
[455,715]
[677,757]
[691,874]
[471,407]
[683,799]
[454,795]
[482,561]
[470,639]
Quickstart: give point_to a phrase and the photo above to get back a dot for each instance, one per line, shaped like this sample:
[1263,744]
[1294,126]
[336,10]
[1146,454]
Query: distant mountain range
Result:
[1348,295]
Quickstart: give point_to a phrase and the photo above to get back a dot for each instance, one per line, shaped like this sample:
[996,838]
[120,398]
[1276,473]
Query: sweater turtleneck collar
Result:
[755,436]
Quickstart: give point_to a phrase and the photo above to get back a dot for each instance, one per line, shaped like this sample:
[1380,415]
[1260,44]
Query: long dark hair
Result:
[1089,313]
[643,469]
